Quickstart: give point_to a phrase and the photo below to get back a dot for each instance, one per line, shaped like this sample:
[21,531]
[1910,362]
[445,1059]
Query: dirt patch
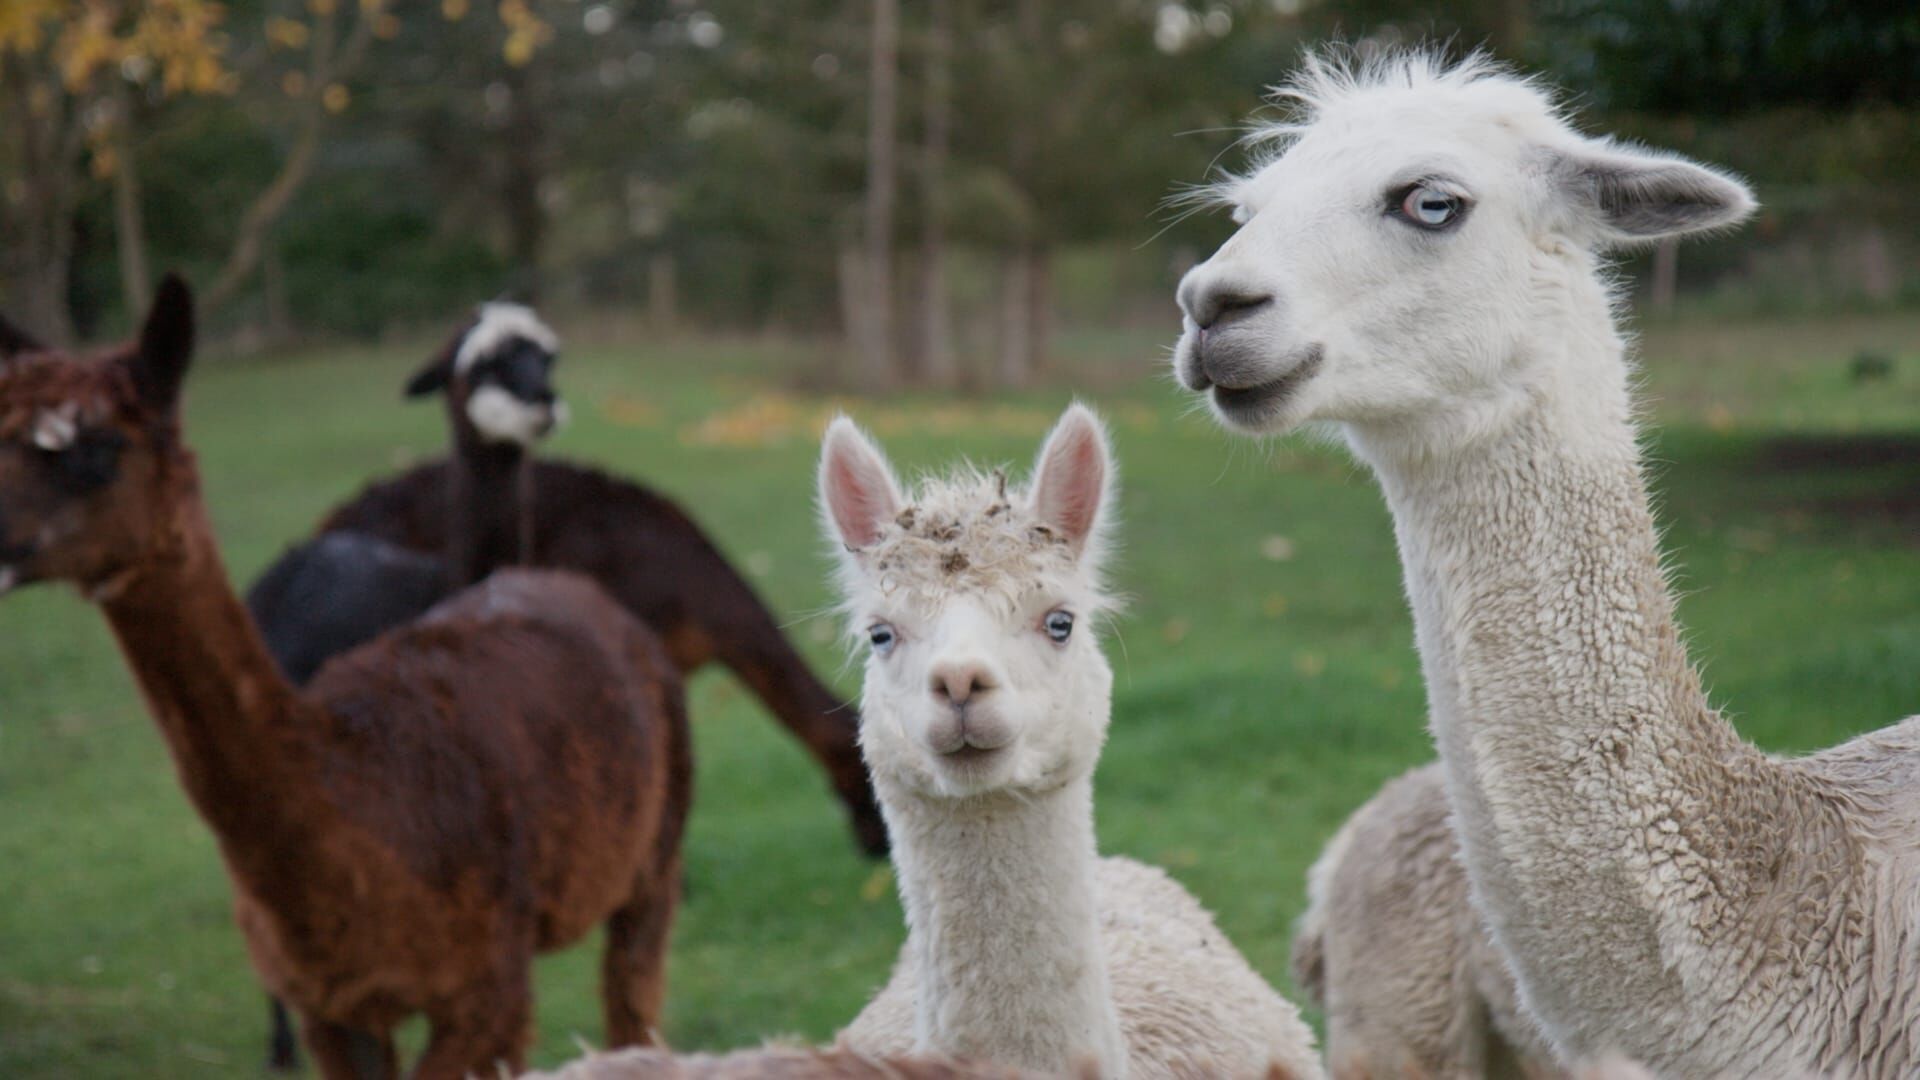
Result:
[1884,485]
[1795,453]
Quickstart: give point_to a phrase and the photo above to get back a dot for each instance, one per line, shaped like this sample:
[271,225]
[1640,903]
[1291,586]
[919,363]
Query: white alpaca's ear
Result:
[857,488]
[1636,195]
[1072,475]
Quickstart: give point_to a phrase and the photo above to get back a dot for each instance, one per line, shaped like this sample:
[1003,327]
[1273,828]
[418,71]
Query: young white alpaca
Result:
[1419,262]
[1399,961]
[985,707]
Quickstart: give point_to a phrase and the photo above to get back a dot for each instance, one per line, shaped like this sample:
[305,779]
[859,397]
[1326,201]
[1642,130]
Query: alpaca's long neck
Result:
[238,732]
[1003,927]
[492,506]
[1613,825]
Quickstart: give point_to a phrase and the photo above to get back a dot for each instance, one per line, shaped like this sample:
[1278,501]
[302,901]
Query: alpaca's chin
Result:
[1269,408]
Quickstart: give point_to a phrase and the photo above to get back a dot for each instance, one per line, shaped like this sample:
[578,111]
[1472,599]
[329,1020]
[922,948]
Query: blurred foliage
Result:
[569,148]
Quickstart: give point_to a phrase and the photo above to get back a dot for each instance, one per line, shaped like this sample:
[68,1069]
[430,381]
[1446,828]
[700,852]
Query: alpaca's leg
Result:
[283,1048]
[633,972]
[484,1033]
[346,1053]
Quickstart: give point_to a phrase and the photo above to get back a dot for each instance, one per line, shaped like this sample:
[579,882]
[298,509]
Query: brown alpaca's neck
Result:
[492,501]
[238,733]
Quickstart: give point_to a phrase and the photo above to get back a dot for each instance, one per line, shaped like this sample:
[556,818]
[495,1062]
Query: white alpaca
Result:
[1420,264]
[1399,961]
[985,707]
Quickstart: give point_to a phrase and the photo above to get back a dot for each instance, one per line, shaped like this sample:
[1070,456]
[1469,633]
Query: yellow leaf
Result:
[453,10]
[322,8]
[877,884]
[518,49]
[287,33]
[386,26]
[294,84]
[335,98]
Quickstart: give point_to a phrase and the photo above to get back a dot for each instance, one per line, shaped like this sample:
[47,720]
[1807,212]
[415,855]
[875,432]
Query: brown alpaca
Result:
[444,802]
[642,548]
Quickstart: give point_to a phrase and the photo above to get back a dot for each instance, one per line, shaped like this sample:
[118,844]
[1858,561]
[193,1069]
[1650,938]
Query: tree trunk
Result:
[663,293]
[1514,30]
[1039,306]
[523,155]
[937,361]
[1016,321]
[853,307]
[877,352]
[129,220]
[273,278]
[47,134]
[332,57]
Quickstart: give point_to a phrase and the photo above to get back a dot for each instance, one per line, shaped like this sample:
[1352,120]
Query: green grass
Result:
[1258,699]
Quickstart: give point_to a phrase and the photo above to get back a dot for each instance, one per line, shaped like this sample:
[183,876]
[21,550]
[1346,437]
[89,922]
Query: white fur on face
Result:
[497,324]
[1373,321]
[56,428]
[965,574]
[502,418]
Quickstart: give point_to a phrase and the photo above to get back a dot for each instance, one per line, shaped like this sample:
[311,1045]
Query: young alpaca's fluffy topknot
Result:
[970,531]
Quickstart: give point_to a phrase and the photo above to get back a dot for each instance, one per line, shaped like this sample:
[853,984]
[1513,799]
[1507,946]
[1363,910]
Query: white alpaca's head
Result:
[978,607]
[1409,236]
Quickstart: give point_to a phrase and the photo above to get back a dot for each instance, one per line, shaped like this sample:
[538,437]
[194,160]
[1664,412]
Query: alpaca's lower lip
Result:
[1254,404]
[969,754]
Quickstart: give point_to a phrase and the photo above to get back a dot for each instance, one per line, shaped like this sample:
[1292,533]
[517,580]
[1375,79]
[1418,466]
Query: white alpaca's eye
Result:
[1059,626]
[1430,207]
[883,638]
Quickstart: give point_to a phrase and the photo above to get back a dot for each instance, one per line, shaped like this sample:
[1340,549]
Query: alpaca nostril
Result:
[1221,304]
[956,686]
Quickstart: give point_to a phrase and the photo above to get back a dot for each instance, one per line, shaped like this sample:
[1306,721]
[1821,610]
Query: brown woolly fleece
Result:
[652,557]
[444,802]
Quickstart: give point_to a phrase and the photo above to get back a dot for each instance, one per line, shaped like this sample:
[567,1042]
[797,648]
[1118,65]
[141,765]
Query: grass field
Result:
[1266,682]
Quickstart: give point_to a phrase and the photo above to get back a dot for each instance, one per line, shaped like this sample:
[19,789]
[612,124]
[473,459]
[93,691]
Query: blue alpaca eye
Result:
[1430,207]
[883,638]
[1059,626]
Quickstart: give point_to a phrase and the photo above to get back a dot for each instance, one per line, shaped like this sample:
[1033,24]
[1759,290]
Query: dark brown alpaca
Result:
[492,502]
[488,782]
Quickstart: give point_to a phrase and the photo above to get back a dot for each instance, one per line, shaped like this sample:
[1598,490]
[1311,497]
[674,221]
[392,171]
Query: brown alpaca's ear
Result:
[14,341]
[166,345]
[857,491]
[1072,476]
[437,375]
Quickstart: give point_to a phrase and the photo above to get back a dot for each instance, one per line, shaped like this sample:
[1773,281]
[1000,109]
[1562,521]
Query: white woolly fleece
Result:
[502,418]
[499,323]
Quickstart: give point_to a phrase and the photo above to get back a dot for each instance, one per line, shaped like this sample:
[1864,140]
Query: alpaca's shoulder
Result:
[886,1025]
[1876,774]
[1180,984]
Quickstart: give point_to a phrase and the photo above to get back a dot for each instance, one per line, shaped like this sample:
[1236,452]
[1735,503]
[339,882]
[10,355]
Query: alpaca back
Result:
[775,1063]
[1189,1004]
[1396,956]
[548,729]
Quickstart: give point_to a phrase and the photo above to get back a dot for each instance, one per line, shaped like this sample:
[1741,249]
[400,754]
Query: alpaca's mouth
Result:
[1253,406]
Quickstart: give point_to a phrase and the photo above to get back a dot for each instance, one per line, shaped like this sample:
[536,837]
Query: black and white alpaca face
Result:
[499,374]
